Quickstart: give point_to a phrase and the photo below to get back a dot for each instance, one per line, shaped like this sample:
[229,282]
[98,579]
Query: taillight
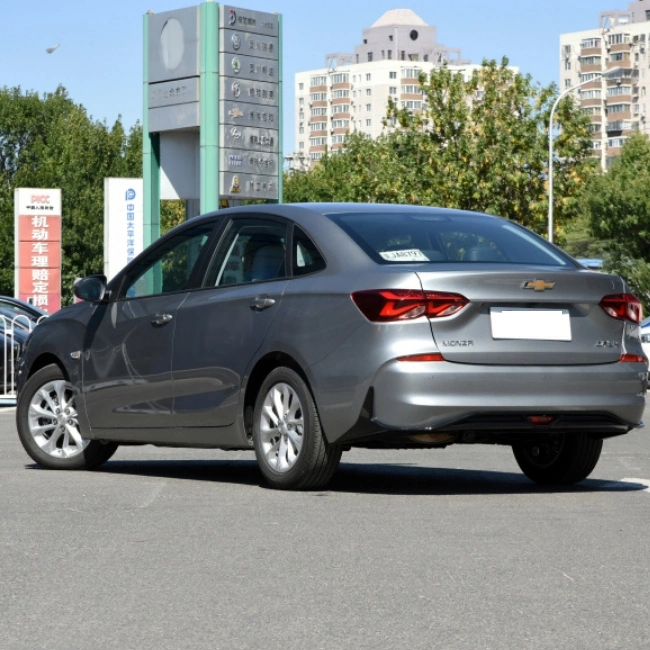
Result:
[431,356]
[386,305]
[623,306]
[633,358]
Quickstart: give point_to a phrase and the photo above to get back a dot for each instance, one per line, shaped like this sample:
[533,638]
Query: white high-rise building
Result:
[351,92]
[617,105]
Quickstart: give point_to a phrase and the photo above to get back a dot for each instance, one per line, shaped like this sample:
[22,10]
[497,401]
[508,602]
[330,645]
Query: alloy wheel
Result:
[53,421]
[282,427]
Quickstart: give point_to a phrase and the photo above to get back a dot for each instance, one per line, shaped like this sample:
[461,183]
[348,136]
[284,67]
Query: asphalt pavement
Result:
[172,549]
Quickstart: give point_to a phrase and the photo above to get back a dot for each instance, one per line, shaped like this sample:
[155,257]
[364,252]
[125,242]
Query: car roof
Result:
[29,308]
[299,211]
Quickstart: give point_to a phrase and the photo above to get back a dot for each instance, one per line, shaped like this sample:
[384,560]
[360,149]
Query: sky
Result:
[100,57]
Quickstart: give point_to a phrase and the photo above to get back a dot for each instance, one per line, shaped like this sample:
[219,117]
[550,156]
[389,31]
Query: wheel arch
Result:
[260,371]
[46,359]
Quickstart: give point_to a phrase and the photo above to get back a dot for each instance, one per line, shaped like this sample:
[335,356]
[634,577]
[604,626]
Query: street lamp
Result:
[598,75]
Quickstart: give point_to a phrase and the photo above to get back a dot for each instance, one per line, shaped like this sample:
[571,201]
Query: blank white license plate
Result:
[531,324]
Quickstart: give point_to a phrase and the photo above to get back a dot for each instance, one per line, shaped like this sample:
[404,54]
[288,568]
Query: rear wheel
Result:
[564,460]
[48,424]
[290,447]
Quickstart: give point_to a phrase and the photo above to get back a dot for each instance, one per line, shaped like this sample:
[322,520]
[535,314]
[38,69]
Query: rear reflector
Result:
[435,356]
[623,306]
[633,358]
[540,419]
[387,305]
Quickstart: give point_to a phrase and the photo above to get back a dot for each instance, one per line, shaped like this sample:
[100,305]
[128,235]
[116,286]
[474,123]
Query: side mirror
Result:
[91,289]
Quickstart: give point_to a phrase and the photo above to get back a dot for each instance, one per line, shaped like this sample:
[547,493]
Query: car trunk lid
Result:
[537,316]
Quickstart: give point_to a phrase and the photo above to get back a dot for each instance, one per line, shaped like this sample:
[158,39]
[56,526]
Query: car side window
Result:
[306,257]
[251,250]
[169,267]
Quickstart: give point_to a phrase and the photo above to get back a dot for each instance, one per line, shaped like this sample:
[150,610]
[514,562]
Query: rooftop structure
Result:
[616,105]
[351,92]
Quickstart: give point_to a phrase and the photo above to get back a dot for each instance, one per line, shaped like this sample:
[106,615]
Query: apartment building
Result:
[617,102]
[351,92]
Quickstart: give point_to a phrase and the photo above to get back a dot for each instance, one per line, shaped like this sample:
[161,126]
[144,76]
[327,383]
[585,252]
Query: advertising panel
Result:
[123,222]
[249,54]
[37,221]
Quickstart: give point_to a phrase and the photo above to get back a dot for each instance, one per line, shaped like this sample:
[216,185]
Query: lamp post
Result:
[598,75]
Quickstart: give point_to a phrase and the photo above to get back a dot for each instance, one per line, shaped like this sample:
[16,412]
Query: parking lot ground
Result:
[455,549]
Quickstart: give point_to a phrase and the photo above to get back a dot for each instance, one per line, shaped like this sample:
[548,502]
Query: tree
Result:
[479,144]
[50,141]
[617,205]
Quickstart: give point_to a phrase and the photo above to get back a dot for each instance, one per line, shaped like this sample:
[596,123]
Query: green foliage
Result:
[51,142]
[480,144]
[580,242]
[617,206]
[172,214]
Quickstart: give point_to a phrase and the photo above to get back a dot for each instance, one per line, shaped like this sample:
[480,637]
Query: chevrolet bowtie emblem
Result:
[538,285]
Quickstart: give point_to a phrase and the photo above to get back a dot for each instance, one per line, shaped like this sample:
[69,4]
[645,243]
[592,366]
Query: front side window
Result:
[169,267]
[251,250]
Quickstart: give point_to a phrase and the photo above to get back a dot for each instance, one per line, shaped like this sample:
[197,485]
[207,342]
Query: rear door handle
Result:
[161,319]
[262,302]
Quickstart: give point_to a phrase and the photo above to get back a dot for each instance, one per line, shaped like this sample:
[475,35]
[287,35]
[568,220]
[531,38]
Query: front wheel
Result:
[48,424]
[564,460]
[290,447]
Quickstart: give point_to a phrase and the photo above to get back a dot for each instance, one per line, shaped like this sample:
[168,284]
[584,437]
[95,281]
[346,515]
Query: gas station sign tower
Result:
[212,109]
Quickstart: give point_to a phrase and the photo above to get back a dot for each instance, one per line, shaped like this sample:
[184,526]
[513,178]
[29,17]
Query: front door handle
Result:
[262,302]
[161,319]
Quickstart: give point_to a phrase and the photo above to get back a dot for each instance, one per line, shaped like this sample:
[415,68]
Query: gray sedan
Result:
[300,331]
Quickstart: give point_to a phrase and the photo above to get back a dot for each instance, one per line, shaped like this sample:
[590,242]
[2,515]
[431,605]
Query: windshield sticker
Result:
[410,255]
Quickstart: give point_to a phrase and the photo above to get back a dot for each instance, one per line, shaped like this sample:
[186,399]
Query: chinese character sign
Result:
[38,247]
[123,222]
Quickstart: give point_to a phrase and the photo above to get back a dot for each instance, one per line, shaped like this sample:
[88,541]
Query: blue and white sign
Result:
[123,222]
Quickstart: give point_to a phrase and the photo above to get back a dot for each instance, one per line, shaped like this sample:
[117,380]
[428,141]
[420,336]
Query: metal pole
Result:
[598,75]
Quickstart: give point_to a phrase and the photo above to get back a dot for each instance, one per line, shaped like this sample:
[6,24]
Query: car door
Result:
[127,356]
[220,328]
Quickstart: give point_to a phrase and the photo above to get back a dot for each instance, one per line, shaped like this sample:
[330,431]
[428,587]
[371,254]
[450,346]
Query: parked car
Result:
[16,322]
[645,336]
[20,307]
[592,263]
[12,341]
[299,331]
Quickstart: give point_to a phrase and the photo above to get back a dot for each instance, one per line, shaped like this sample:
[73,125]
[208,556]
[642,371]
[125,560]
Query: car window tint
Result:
[419,236]
[169,267]
[306,257]
[251,250]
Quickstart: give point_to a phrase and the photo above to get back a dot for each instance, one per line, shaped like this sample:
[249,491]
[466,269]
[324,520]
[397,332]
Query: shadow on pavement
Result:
[362,478]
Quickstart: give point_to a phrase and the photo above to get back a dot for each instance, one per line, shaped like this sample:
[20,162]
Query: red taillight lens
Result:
[633,358]
[623,306]
[386,305]
[432,356]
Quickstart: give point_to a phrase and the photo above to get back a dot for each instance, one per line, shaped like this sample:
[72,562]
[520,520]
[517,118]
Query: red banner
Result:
[38,248]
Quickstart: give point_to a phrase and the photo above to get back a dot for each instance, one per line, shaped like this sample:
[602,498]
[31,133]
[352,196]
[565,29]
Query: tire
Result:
[565,460]
[48,425]
[290,447]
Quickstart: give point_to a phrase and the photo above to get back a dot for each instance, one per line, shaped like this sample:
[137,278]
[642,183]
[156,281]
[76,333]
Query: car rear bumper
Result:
[425,396]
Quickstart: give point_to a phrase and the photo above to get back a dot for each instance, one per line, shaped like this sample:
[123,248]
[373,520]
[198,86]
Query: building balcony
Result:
[620,47]
[619,99]
[622,115]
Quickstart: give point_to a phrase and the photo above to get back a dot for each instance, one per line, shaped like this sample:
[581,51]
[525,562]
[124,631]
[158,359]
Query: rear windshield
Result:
[403,237]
